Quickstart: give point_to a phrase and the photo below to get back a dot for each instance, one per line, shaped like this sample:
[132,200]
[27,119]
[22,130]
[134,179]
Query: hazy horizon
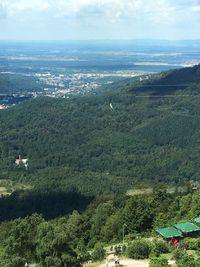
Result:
[103,40]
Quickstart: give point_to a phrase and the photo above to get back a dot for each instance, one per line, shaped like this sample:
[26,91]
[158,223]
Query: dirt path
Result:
[129,263]
[132,263]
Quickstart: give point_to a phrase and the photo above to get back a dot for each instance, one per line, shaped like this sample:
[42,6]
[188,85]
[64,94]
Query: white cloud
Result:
[98,15]
[109,9]
[2,10]
[14,7]
[196,8]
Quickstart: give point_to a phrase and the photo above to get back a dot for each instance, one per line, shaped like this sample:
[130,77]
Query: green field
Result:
[7,187]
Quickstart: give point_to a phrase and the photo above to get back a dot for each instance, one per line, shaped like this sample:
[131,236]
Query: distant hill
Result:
[18,83]
[174,80]
[185,75]
[89,144]
[187,79]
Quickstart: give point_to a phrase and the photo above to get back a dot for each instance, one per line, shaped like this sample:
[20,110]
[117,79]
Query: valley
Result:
[112,153]
[61,69]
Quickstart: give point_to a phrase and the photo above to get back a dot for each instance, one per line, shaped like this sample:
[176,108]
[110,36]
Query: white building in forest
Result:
[21,161]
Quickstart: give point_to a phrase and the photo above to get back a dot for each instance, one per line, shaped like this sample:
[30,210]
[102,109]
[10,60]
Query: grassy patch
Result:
[93,264]
[7,187]
[135,192]
[3,191]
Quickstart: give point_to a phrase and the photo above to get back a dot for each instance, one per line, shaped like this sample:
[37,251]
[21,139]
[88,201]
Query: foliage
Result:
[18,83]
[186,261]
[70,238]
[178,254]
[81,142]
[138,250]
[159,247]
[141,218]
[158,262]
[84,156]
[98,253]
[22,238]
[50,204]
[119,250]
[192,243]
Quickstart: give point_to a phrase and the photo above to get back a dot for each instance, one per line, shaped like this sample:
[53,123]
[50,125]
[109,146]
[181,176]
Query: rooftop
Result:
[169,232]
[197,220]
[187,227]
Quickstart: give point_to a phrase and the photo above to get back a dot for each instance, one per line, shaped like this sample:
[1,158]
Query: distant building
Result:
[21,161]
[175,233]
[111,106]
[188,229]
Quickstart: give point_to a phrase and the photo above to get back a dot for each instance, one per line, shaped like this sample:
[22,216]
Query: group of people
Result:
[117,262]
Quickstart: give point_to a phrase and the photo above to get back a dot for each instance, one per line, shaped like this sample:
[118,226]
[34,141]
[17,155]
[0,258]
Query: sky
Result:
[99,19]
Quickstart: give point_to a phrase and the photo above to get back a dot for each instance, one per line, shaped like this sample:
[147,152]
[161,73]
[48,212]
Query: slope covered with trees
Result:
[85,142]
[19,83]
[74,239]
[84,154]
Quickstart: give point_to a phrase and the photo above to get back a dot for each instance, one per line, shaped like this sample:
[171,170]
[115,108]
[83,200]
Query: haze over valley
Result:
[61,69]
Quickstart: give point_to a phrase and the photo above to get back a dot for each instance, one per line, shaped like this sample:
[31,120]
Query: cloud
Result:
[15,7]
[3,12]
[130,16]
[196,8]
[106,9]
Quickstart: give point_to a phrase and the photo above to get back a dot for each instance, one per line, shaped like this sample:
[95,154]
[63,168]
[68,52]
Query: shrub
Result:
[197,262]
[84,256]
[159,247]
[118,250]
[17,261]
[124,249]
[98,253]
[178,254]
[192,243]
[131,237]
[138,250]
[186,261]
[53,261]
[158,262]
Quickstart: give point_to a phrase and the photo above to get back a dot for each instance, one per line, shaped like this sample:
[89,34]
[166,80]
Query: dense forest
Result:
[19,83]
[71,240]
[87,143]
[84,154]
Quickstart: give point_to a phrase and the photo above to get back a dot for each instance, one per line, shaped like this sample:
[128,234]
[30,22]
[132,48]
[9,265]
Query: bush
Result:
[186,261]
[17,261]
[53,261]
[192,243]
[84,256]
[124,249]
[99,252]
[118,250]
[131,236]
[159,247]
[197,262]
[138,250]
[178,254]
[159,262]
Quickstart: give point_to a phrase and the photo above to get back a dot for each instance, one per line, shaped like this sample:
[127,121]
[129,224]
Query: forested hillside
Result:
[74,239]
[107,143]
[19,83]
[84,153]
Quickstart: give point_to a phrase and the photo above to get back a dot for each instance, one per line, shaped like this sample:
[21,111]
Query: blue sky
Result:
[99,19]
